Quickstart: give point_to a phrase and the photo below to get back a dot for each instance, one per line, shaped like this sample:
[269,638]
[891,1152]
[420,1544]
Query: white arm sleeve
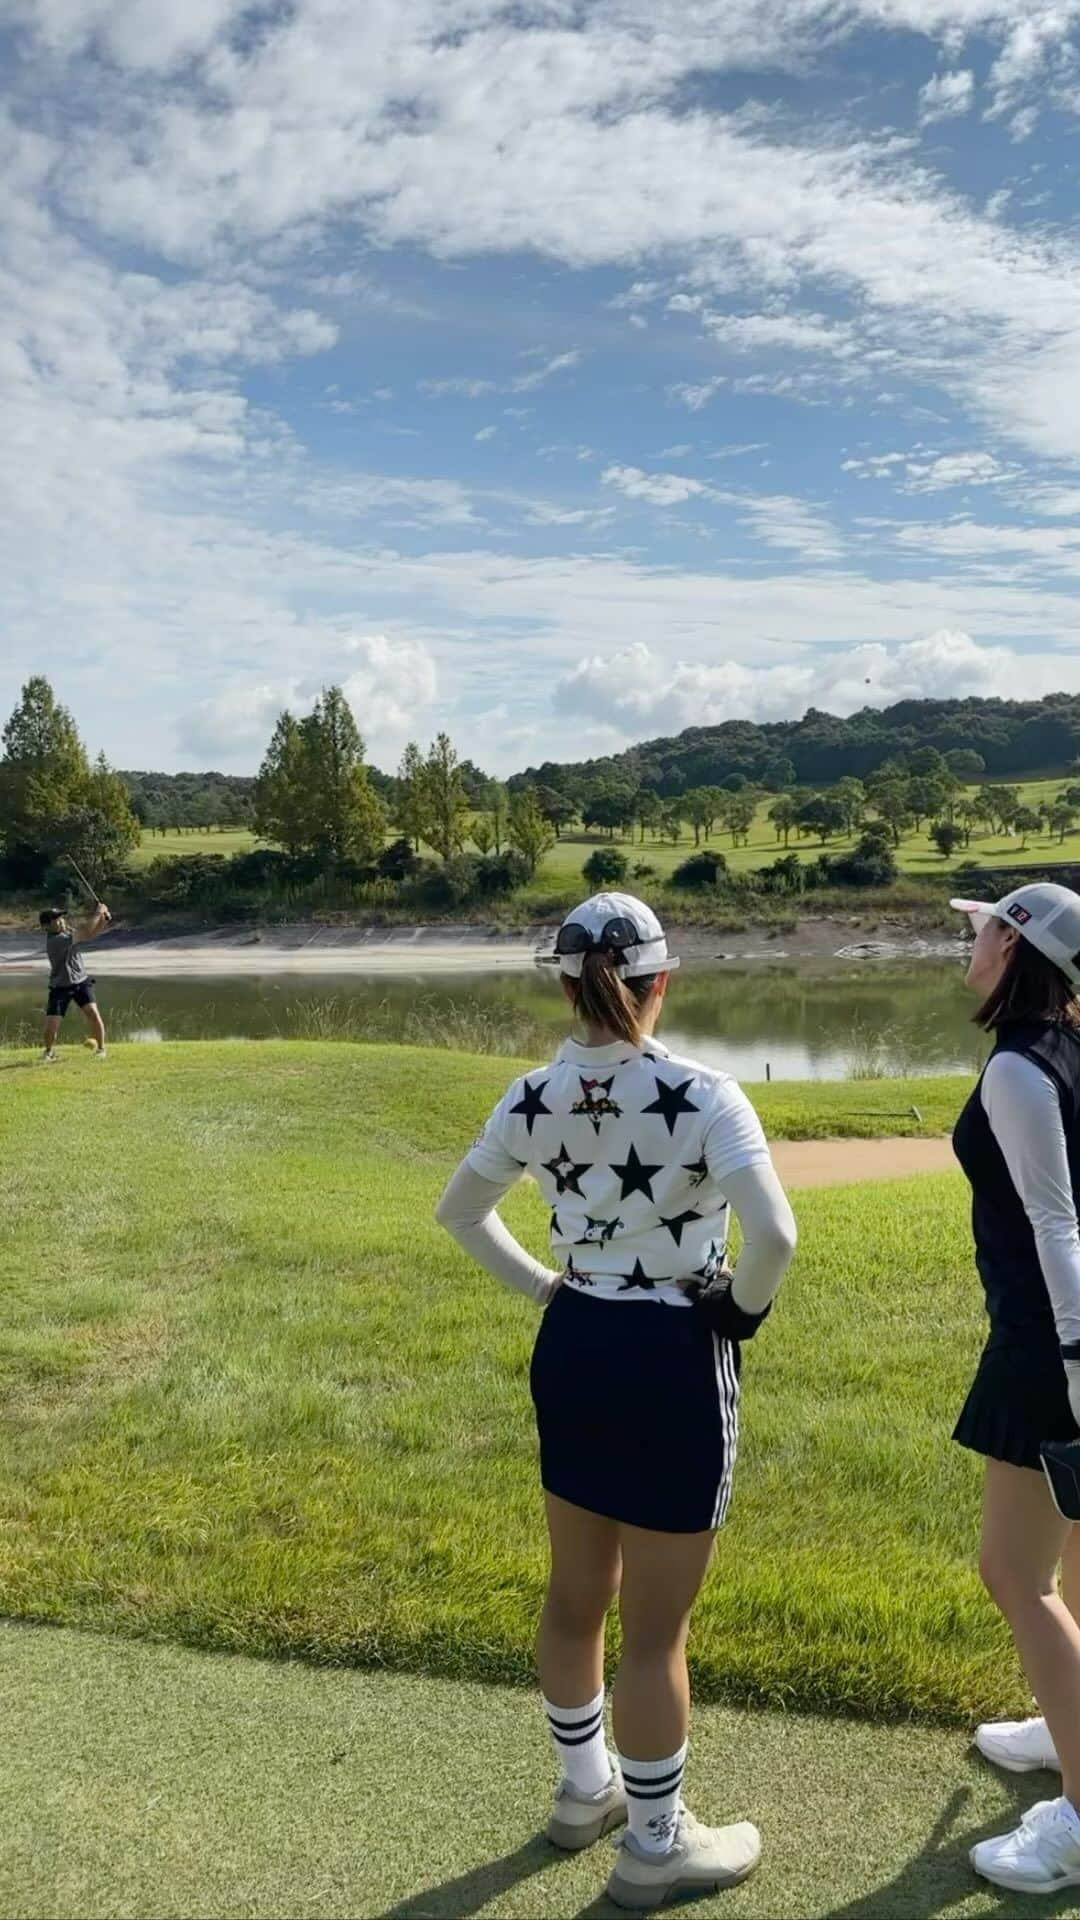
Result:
[467,1210]
[768,1230]
[1022,1105]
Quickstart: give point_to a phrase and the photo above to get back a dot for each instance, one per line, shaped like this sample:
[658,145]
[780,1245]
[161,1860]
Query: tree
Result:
[52,802]
[698,809]
[605,867]
[965,765]
[822,815]
[495,802]
[740,817]
[1026,823]
[1060,818]
[671,822]
[446,801]
[926,763]
[999,805]
[345,819]
[968,816]
[647,810]
[410,813]
[946,837]
[850,794]
[893,810]
[784,814]
[530,833]
[482,835]
[927,795]
[778,774]
[556,808]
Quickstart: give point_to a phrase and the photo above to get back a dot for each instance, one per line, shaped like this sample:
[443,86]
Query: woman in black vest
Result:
[1018,1141]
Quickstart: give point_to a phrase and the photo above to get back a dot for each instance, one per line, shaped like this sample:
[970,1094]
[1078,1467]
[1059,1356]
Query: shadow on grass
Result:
[468,1892]
[941,1874]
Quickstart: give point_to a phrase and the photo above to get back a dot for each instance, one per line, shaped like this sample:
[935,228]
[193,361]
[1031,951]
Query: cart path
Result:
[834,1163]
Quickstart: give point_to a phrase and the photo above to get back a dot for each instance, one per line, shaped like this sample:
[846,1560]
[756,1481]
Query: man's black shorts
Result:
[60,998]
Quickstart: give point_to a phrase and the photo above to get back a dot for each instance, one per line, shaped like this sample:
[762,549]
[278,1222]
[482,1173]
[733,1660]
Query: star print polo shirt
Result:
[630,1147]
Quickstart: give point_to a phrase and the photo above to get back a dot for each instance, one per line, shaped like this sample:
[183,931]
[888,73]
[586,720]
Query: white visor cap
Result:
[1048,916]
[650,955]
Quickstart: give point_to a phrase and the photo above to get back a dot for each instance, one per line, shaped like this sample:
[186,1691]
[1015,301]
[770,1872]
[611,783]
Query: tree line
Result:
[1019,738]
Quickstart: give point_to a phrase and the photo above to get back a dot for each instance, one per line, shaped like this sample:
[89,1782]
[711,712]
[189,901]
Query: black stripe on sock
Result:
[575,1730]
[654,1789]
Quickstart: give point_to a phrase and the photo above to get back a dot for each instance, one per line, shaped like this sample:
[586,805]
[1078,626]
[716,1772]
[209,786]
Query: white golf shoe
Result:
[578,1819]
[1020,1746]
[700,1860]
[1042,1855]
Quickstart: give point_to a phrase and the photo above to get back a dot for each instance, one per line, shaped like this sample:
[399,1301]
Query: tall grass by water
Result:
[254,1399]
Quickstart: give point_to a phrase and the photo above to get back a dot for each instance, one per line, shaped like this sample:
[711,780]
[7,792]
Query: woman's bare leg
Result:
[1024,1538]
[662,1575]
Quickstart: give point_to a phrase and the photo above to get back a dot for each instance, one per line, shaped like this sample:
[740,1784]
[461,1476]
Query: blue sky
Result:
[559,375]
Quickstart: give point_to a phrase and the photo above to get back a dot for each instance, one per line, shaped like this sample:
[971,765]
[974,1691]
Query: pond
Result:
[792,1024]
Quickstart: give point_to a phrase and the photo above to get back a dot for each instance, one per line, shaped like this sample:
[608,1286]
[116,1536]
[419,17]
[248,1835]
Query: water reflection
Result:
[798,1024]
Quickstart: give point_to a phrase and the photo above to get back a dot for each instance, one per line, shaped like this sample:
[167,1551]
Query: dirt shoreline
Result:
[463,949]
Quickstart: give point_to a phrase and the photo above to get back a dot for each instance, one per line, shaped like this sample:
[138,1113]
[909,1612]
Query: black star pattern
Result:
[681,1220]
[598,1232]
[531,1103]
[714,1262]
[565,1172]
[636,1177]
[639,1278]
[572,1273]
[671,1101]
[556,1232]
[698,1171]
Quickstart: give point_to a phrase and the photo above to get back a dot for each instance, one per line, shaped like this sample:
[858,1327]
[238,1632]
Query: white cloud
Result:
[923,471]
[638,690]
[947,95]
[486,433]
[387,681]
[661,489]
[558,363]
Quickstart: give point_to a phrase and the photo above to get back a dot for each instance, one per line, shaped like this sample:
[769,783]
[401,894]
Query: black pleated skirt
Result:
[1019,1399]
[637,1408]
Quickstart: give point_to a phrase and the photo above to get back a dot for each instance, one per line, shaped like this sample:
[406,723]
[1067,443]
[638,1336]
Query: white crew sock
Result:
[653,1793]
[578,1733]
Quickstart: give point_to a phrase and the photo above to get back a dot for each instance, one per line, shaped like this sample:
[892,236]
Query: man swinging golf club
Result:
[68,978]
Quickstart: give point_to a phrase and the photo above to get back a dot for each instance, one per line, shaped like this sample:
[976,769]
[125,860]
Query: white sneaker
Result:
[49,1057]
[1041,1856]
[700,1860]
[578,1819]
[1020,1746]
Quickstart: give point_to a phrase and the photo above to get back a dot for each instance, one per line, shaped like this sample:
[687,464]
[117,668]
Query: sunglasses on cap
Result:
[615,937]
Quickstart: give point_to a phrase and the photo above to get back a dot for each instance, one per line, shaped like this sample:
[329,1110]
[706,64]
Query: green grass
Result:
[255,1400]
[918,858]
[152,1781]
[172,846]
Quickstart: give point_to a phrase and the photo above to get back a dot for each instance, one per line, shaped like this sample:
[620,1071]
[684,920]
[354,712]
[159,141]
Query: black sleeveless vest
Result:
[1005,1253]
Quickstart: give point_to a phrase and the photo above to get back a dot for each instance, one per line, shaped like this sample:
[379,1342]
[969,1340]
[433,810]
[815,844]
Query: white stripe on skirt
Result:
[727,1388]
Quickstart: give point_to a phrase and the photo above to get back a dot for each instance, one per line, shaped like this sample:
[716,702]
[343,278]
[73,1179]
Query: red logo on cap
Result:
[1019,914]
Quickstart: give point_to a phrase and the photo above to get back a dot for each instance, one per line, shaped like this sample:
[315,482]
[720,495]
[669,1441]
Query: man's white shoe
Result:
[1041,1856]
[578,1819]
[49,1057]
[700,1860]
[1020,1746]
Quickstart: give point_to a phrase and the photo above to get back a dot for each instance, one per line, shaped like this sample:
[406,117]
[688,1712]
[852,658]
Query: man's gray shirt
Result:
[66,967]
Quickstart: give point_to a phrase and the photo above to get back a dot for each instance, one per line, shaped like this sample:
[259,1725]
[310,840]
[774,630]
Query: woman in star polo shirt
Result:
[635,1374]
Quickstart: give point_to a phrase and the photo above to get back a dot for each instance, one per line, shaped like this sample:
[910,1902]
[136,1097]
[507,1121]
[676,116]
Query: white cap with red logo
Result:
[1045,914]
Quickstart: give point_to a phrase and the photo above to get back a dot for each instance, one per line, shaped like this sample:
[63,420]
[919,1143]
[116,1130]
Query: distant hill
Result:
[1013,737]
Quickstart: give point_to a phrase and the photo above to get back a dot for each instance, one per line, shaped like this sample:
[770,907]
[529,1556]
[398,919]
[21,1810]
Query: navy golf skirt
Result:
[637,1408]
[1019,1399]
